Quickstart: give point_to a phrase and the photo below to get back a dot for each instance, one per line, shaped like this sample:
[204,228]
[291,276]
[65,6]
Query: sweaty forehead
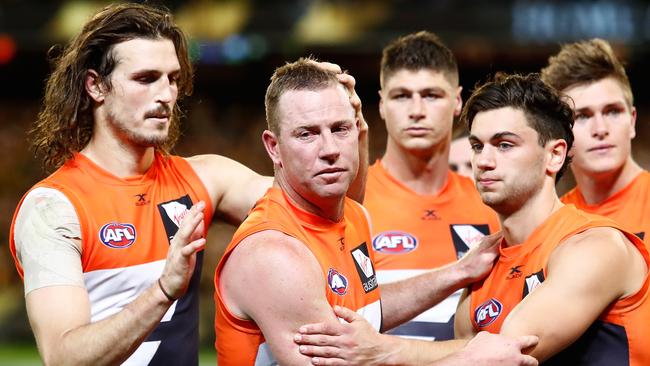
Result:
[315,106]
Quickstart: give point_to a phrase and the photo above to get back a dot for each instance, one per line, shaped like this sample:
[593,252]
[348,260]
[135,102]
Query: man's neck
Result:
[597,187]
[425,172]
[119,159]
[330,209]
[520,224]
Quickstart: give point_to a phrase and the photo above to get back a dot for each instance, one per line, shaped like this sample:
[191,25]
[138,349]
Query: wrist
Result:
[165,292]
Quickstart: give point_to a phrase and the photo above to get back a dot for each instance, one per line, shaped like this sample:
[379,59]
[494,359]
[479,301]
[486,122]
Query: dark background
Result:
[237,44]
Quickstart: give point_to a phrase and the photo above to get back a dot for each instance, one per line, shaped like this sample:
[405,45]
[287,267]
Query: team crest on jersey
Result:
[532,282]
[364,267]
[466,236]
[172,213]
[337,282]
[486,313]
[394,242]
[117,235]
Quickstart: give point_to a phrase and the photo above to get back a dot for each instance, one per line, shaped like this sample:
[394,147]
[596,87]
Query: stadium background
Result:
[236,45]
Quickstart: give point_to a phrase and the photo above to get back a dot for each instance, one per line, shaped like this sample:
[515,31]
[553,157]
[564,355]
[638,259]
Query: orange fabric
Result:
[629,206]
[413,233]
[332,243]
[100,198]
[126,225]
[521,268]
[394,207]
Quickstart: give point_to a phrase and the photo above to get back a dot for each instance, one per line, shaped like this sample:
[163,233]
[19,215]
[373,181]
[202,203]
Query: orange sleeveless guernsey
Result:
[341,249]
[619,336]
[413,233]
[126,225]
[629,206]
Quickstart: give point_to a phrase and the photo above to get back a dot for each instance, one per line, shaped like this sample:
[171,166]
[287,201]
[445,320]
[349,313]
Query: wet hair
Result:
[303,74]
[417,51]
[585,62]
[65,122]
[545,110]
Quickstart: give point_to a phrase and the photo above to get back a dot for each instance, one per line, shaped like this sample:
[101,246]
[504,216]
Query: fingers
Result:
[328,361]
[328,66]
[527,341]
[325,351]
[193,247]
[346,314]
[314,340]
[320,328]
[529,361]
[190,223]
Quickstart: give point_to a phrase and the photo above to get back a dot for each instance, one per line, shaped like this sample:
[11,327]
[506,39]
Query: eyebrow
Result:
[497,136]
[617,104]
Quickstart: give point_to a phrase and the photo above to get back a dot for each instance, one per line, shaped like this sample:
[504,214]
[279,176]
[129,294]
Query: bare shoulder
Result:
[270,264]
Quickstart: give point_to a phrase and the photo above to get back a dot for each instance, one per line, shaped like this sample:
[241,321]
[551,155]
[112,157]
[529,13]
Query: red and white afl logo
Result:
[337,282]
[394,242]
[486,313]
[117,235]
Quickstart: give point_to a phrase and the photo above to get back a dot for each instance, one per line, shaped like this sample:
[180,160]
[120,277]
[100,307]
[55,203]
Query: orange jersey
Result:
[413,233]
[341,249]
[126,225]
[629,206]
[618,337]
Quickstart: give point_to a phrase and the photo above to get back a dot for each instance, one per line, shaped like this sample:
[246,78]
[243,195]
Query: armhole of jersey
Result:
[367,214]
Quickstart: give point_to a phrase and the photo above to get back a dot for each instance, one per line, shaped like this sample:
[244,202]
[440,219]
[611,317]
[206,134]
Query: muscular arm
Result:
[462,322]
[60,313]
[276,281]
[403,300]
[577,289]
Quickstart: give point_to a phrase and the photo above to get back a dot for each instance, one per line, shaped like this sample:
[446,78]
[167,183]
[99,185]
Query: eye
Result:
[504,146]
[305,134]
[401,96]
[613,112]
[431,96]
[580,117]
[476,147]
[341,130]
[146,79]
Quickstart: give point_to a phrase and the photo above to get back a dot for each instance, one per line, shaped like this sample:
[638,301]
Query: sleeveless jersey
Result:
[341,249]
[629,206]
[618,337]
[413,233]
[126,225]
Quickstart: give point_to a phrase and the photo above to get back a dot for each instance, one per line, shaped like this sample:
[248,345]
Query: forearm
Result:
[111,340]
[403,300]
[416,352]
[357,188]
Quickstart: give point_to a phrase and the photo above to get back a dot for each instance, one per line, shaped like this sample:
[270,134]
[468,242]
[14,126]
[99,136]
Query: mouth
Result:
[417,131]
[486,181]
[601,148]
[330,172]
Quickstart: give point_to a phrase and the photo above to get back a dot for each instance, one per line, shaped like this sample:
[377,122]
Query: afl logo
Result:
[337,282]
[486,313]
[116,235]
[394,242]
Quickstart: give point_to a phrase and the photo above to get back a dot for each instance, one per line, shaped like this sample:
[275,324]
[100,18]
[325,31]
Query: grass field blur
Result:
[26,355]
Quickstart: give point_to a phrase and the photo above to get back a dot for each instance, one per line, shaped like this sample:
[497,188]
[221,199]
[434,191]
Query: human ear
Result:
[94,86]
[271,144]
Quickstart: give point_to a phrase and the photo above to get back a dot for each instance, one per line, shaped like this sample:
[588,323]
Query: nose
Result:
[599,127]
[167,91]
[416,111]
[329,149]
[483,160]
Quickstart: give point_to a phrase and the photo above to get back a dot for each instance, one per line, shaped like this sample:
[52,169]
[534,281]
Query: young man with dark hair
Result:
[577,281]
[609,181]
[424,215]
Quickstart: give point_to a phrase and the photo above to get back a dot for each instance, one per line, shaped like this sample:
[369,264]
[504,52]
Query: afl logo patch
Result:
[486,313]
[337,282]
[394,242]
[116,235]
